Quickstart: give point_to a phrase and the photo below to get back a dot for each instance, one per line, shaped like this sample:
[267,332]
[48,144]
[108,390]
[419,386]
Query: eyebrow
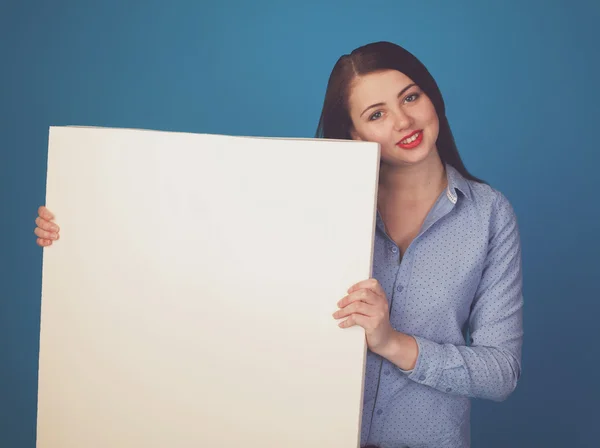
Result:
[383,104]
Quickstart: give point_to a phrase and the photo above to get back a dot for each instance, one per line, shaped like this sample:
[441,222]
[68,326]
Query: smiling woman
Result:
[405,121]
[368,65]
[447,259]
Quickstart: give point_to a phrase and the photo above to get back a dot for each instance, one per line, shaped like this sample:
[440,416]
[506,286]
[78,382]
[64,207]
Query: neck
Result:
[412,182]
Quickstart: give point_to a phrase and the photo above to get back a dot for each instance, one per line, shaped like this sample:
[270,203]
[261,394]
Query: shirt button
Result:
[387,372]
[379,412]
[422,378]
[394,249]
[399,288]
[449,389]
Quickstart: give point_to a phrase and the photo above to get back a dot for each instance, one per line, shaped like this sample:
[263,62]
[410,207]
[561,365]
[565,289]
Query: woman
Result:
[443,313]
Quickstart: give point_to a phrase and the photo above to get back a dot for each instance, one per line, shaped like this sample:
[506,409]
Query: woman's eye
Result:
[375,116]
[411,98]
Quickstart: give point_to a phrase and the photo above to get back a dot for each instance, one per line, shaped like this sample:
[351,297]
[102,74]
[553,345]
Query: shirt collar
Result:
[456,182]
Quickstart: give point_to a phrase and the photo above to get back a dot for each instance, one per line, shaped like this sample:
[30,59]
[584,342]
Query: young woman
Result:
[443,313]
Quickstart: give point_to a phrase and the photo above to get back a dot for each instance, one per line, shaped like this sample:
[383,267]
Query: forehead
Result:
[377,87]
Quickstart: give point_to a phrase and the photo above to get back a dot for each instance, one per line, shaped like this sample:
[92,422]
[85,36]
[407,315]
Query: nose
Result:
[401,120]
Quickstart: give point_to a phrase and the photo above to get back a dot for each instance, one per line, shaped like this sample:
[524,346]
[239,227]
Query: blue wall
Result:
[520,80]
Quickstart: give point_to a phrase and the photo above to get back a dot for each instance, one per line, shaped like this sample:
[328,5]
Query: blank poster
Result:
[189,300]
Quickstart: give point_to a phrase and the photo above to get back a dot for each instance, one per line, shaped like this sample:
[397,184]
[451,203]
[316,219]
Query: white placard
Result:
[189,300]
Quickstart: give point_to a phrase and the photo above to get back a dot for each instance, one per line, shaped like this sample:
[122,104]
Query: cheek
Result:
[434,125]
[379,136]
[428,117]
[431,116]
[378,133]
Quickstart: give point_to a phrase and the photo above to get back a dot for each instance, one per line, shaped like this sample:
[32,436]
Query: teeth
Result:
[410,139]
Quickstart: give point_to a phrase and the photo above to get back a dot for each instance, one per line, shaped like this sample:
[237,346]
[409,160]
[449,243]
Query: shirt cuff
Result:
[429,365]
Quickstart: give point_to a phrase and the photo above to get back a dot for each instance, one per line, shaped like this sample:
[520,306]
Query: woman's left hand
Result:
[366,306]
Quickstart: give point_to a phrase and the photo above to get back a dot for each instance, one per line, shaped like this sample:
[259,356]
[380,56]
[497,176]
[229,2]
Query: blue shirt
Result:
[460,280]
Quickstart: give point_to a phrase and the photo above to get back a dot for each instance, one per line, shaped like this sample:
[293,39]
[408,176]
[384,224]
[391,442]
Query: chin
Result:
[404,157]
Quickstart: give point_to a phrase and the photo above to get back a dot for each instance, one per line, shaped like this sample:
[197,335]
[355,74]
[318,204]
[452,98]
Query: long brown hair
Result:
[335,121]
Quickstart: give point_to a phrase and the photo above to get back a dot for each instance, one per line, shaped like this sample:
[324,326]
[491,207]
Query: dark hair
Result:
[335,121]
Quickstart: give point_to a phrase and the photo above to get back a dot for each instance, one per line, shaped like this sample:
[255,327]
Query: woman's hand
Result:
[46,231]
[366,305]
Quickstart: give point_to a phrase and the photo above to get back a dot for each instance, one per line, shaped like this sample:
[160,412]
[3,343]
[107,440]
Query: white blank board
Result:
[189,300]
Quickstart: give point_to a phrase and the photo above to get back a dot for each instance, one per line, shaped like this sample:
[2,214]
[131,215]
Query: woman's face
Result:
[388,108]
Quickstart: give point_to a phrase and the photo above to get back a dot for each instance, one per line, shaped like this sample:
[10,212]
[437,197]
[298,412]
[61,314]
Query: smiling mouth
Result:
[412,140]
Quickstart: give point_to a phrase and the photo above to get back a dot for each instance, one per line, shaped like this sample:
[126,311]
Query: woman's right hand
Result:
[46,231]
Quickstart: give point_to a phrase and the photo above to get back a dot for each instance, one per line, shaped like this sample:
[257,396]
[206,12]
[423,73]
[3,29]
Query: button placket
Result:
[402,277]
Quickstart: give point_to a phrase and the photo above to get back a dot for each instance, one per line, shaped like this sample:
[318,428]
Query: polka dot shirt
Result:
[458,291]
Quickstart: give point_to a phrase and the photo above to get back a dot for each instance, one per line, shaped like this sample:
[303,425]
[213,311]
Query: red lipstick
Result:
[413,144]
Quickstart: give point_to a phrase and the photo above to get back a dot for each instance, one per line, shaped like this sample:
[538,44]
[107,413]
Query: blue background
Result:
[520,81]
